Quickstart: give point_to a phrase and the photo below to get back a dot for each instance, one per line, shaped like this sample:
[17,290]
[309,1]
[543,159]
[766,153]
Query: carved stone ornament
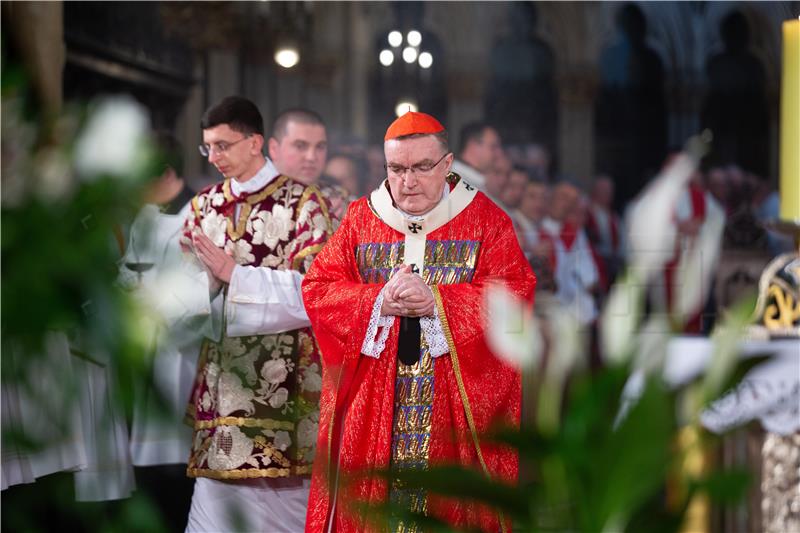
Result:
[778,306]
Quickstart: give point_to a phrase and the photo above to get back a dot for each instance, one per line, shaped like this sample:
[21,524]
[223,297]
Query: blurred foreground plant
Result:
[70,184]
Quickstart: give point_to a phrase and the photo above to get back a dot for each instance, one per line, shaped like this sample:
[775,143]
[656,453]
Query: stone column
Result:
[576,91]
[360,47]
[38,32]
[187,128]
[780,483]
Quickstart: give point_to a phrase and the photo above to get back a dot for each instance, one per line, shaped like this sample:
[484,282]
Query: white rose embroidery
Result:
[269,228]
[319,225]
[217,199]
[241,251]
[307,433]
[233,397]
[282,440]
[214,226]
[312,380]
[233,346]
[274,371]
[279,397]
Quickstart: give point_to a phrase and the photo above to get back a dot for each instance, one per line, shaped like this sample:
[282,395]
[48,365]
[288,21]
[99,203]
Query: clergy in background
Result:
[396,301]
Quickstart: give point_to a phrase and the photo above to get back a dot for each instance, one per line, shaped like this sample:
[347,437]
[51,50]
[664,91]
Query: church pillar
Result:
[38,32]
[358,70]
[576,90]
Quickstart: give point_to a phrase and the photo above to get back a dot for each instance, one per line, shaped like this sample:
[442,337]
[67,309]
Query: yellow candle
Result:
[790,122]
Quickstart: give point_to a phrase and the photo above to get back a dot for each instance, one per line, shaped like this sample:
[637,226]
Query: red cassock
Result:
[467,244]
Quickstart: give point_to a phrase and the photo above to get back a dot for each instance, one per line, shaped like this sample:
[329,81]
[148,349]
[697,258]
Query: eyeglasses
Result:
[419,169]
[219,147]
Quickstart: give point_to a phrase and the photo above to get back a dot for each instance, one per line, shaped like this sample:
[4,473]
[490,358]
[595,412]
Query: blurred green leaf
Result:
[724,487]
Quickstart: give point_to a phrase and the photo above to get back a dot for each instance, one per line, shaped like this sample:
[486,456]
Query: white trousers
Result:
[250,505]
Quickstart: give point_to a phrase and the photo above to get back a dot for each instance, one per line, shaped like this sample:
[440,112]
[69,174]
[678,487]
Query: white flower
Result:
[652,230]
[620,318]
[274,371]
[653,340]
[307,433]
[176,292]
[726,337]
[312,380]
[269,228]
[240,250]
[113,139]
[513,333]
[279,397]
[54,180]
[214,226]
[567,344]
[282,440]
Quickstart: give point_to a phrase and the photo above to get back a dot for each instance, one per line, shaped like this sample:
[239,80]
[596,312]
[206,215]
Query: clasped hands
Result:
[216,261]
[406,294]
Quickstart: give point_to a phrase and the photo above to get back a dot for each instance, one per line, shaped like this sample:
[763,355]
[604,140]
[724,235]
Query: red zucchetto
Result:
[413,123]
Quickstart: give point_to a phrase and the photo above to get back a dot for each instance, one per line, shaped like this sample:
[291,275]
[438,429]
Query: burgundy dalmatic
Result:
[255,400]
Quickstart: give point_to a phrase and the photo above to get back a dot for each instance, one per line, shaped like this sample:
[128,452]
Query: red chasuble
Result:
[462,245]
[254,403]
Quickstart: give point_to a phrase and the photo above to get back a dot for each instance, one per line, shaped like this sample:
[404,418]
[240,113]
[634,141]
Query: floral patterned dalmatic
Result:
[255,399]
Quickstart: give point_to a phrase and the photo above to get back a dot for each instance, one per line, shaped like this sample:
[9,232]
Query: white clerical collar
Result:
[266,174]
[452,203]
[416,228]
[417,218]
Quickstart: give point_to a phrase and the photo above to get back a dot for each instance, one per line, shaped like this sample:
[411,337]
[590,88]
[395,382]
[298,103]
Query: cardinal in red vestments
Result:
[396,301]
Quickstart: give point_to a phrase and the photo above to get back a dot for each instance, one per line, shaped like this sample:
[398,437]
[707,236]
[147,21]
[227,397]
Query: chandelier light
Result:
[395,39]
[425,60]
[287,57]
[409,54]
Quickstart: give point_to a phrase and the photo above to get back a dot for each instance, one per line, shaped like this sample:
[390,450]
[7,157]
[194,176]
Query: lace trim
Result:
[373,346]
[379,326]
[434,335]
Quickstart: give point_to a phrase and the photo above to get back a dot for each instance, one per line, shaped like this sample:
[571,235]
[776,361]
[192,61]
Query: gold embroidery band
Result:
[235,233]
[196,209]
[461,390]
[312,189]
[271,188]
[302,254]
[226,189]
[249,473]
[265,423]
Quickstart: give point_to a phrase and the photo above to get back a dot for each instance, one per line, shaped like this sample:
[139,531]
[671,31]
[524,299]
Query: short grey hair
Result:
[440,136]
